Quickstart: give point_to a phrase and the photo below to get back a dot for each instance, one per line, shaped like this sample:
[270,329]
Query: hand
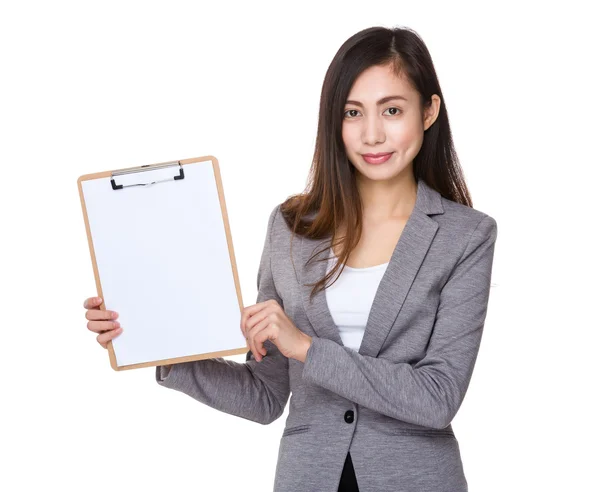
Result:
[267,321]
[107,329]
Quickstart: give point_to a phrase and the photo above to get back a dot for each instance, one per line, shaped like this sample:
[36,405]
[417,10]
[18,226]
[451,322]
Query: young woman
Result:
[377,360]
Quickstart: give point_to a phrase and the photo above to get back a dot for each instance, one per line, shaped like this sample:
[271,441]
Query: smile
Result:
[378,159]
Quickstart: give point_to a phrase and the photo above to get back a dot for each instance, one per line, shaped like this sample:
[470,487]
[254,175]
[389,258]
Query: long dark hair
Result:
[331,192]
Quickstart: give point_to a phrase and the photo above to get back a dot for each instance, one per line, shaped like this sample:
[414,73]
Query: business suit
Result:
[391,403]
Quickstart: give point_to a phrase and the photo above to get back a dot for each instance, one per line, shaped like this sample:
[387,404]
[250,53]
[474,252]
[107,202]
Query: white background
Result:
[96,86]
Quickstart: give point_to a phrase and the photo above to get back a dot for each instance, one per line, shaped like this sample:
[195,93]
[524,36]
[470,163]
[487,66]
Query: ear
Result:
[431,112]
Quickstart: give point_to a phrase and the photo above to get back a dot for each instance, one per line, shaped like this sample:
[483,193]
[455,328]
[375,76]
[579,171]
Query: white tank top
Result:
[350,299]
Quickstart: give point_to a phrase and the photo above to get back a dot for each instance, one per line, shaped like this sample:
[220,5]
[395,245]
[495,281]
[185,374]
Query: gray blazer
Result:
[391,403]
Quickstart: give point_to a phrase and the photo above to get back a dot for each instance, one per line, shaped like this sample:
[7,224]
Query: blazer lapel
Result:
[408,255]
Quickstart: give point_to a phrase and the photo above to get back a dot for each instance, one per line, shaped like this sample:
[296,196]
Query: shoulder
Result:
[278,232]
[460,220]
[277,223]
[275,218]
[275,211]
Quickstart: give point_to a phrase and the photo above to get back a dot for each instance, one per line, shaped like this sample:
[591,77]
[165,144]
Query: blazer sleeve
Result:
[429,392]
[253,390]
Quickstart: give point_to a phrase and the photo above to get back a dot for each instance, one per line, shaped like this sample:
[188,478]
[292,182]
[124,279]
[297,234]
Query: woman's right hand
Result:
[102,322]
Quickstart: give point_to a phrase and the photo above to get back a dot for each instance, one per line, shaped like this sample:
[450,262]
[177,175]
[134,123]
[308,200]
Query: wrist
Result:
[306,345]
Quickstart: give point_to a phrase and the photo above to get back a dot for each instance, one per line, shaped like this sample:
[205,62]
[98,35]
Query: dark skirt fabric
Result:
[348,480]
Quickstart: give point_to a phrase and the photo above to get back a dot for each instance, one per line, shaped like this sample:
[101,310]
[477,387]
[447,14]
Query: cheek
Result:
[406,136]
[348,136]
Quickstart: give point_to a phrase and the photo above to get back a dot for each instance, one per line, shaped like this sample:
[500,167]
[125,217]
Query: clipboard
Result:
[163,258]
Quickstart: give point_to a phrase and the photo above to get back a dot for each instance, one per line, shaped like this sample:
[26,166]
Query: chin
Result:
[381,173]
[374,175]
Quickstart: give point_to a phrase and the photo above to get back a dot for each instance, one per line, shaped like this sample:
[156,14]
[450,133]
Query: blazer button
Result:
[349,416]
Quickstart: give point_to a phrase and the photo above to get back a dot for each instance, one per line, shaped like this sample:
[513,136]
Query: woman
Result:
[377,361]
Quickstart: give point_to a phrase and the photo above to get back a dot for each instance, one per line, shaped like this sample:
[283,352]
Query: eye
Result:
[398,111]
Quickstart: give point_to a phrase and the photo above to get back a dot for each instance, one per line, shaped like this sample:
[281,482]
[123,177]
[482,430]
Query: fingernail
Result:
[98,299]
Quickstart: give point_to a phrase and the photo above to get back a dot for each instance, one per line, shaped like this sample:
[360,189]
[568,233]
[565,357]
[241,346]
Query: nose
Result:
[373,132]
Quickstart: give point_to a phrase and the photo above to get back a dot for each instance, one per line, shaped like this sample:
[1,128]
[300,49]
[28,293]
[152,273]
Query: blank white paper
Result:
[164,263]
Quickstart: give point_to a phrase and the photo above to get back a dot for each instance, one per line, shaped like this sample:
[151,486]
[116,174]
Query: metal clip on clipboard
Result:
[147,167]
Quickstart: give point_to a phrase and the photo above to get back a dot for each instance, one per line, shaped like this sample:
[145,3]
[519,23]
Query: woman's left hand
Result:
[267,321]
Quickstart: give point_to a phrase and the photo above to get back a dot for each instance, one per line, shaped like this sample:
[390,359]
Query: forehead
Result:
[379,81]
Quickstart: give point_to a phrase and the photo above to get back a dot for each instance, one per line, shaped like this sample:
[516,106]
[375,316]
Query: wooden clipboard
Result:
[176,172]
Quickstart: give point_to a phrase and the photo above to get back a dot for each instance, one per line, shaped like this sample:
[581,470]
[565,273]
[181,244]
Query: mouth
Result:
[377,158]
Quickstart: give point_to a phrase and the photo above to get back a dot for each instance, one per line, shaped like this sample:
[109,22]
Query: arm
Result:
[430,392]
[163,372]
[253,390]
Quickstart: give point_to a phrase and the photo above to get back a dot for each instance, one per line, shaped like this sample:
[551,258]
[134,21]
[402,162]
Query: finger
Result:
[104,338]
[262,336]
[250,343]
[257,317]
[250,325]
[256,338]
[268,319]
[248,312]
[92,302]
[95,314]
[102,326]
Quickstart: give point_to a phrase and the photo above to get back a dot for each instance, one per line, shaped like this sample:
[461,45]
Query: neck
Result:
[388,199]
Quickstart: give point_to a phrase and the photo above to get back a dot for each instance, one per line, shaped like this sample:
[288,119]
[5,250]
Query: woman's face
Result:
[376,122]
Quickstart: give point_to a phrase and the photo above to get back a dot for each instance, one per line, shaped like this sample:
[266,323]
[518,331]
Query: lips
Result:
[377,158]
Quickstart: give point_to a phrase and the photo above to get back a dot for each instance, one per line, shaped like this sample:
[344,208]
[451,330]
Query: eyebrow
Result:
[381,101]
